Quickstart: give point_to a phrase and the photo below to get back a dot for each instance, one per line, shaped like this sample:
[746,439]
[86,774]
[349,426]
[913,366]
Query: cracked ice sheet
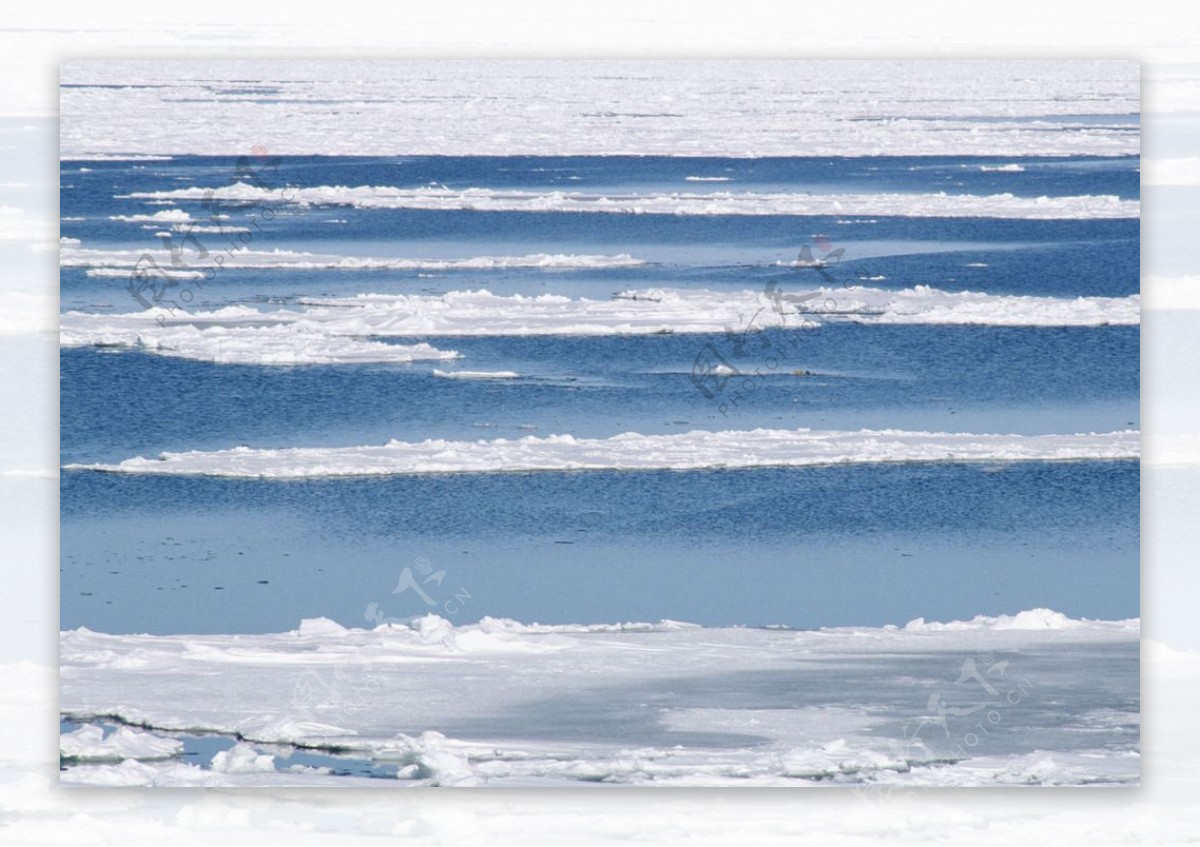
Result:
[500,703]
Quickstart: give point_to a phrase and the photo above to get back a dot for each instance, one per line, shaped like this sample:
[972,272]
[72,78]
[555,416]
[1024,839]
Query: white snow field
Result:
[1029,699]
[600,107]
[694,450]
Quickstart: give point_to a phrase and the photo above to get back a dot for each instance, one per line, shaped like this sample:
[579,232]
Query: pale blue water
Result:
[820,546]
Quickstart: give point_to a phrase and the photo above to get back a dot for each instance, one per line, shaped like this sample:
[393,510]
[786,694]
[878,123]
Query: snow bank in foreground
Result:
[633,451]
[503,703]
[938,205]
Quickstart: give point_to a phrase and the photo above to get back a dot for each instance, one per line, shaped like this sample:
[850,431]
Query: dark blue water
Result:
[865,174]
[1060,258]
[803,547]
[989,379]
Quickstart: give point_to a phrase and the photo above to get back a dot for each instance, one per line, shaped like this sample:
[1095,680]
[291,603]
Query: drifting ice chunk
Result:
[242,758]
[88,744]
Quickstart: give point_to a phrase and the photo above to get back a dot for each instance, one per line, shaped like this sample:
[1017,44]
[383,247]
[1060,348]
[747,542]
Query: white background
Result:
[1164,37]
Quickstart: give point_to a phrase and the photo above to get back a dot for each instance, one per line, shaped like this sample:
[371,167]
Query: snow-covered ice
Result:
[599,107]
[329,330]
[939,205]
[110,262]
[757,448]
[476,374]
[279,345]
[166,216]
[242,758]
[501,703]
[89,744]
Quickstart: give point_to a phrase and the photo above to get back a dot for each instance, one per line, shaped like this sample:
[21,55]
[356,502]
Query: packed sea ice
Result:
[502,703]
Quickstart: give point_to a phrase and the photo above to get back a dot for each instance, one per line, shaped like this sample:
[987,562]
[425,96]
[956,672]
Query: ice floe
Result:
[330,330]
[89,744]
[936,205]
[633,451]
[116,262]
[279,345]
